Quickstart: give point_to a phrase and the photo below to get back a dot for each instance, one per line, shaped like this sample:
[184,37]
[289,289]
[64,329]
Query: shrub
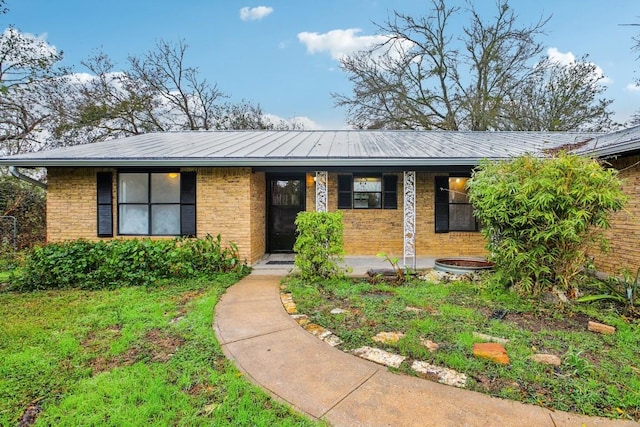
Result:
[113,263]
[319,247]
[26,203]
[540,215]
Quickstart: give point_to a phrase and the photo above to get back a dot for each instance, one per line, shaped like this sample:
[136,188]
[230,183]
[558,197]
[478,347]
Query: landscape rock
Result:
[302,319]
[388,337]
[492,351]
[445,375]
[287,302]
[317,330]
[601,328]
[490,338]
[430,345]
[333,340]
[435,276]
[379,356]
[546,359]
[338,311]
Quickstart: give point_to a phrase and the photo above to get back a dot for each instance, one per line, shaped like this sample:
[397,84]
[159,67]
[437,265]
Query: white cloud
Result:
[339,43]
[568,58]
[255,13]
[555,55]
[633,87]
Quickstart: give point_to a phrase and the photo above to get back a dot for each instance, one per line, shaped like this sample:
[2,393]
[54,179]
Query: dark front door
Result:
[285,198]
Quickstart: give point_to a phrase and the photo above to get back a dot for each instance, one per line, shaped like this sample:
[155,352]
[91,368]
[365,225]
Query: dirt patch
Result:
[187,297]
[200,389]
[30,414]
[155,346]
[97,340]
[182,301]
[540,322]
[163,346]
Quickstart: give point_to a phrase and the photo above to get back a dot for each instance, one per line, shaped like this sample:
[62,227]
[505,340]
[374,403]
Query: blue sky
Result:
[283,56]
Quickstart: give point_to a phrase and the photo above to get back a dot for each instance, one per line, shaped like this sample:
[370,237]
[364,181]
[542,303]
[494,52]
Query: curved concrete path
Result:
[325,383]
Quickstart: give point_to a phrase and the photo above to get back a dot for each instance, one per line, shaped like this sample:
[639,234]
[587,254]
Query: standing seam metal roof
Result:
[318,148]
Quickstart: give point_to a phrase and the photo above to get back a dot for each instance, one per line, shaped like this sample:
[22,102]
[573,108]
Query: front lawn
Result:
[127,356]
[599,374]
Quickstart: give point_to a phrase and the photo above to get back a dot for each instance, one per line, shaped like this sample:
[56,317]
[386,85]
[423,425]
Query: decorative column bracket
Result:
[410,218]
[321,191]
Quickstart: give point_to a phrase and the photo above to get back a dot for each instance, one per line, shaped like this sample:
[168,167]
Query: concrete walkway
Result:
[328,384]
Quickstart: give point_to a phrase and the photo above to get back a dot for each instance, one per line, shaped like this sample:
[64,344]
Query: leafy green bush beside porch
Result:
[540,215]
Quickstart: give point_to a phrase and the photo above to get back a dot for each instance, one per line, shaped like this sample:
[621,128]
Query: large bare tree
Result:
[27,66]
[155,92]
[431,74]
[559,97]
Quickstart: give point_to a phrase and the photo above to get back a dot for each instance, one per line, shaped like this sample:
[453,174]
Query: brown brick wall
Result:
[368,232]
[72,204]
[624,235]
[258,216]
[229,202]
[224,206]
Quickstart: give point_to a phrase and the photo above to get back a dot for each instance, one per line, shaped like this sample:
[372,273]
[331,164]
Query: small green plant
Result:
[623,290]
[319,244]
[578,366]
[395,266]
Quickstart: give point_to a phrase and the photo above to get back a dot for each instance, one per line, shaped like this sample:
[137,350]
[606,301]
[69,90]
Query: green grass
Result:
[129,356]
[599,374]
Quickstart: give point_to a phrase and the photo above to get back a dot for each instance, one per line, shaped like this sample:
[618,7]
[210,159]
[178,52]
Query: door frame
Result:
[302,176]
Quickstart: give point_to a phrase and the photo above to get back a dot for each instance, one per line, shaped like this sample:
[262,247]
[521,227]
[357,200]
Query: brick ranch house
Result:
[402,192]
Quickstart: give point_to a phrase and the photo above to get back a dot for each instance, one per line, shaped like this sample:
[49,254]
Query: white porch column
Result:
[321,191]
[410,218]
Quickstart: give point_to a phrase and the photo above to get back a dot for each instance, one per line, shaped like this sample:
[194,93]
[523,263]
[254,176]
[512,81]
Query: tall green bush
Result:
[319,244]
[539,216]
[115,263]
[26,203]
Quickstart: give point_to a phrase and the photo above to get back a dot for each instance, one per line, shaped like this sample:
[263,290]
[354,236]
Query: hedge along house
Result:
[402,192]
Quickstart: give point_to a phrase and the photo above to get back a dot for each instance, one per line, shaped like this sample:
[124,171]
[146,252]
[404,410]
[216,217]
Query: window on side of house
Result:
[156,203]
[453,212]
[367,191]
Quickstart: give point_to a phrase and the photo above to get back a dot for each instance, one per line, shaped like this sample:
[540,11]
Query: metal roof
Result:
[623,142]
[302,148]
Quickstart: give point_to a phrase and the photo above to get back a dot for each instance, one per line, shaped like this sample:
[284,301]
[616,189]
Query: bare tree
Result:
[157,92]
[247,115]
[27,65]
[189,99]
[103,104]
[428,74]
[559,97]
[423,77]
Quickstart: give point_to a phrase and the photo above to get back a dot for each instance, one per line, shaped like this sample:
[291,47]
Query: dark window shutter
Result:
[344,192]
[188,203]
[442,204]
[390,187]
[104,182]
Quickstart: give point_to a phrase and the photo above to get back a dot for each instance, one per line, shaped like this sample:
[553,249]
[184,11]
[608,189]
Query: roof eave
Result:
[189,162]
